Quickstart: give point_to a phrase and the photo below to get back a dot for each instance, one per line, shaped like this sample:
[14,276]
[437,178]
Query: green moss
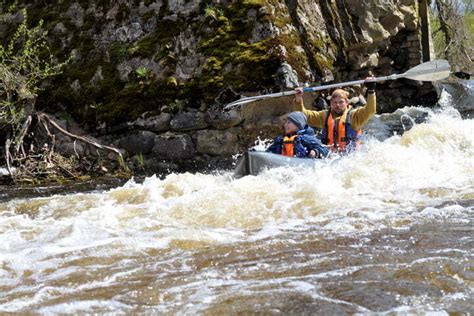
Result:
[145,47]
[231,61]
[226,44]
[118,52]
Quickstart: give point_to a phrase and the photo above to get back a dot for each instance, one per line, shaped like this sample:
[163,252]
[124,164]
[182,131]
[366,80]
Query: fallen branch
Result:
[82,138]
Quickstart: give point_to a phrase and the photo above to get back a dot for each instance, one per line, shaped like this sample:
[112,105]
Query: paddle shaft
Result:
[307,89]
[428,71]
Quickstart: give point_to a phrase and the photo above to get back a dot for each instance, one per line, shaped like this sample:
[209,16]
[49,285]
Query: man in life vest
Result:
[299,139]
[341,124]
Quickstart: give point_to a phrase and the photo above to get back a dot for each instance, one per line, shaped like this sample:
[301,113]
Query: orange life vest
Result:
[288,146]
[338,139]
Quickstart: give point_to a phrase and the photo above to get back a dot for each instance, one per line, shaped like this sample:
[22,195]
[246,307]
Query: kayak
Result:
[253,162]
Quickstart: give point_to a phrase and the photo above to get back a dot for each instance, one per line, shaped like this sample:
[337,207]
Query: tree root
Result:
[8,156]
[23,131]
[40,161]
[82,138]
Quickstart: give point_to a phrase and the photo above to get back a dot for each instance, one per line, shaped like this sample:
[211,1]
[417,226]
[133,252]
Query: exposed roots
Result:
[42,116]
[31,156]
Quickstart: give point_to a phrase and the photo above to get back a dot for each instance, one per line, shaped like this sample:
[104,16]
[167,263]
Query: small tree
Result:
[452,37]
[25,61]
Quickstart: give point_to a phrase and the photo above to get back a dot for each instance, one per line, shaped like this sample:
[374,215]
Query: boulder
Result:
[141,142]
[287,76]
[187,121]
[157,123]
[217,142]
[173,146]
[224,119]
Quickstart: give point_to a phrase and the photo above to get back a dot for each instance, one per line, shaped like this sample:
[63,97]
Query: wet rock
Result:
[187,121]
[159,166]
[224,119]
[173,146]
[217,142]
[157,123]
[461,94]
[386,125]
[141,142]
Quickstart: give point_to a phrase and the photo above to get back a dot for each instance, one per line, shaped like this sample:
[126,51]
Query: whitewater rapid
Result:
[57,251]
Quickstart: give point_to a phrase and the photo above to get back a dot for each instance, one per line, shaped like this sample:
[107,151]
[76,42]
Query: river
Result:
[386,230]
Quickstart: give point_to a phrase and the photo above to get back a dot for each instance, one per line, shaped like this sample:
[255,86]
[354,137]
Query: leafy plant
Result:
[25,61]
[212,13]
[142,72]
[140,160]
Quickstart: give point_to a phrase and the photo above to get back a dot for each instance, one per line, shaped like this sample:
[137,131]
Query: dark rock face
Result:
[156,74]
[134,57]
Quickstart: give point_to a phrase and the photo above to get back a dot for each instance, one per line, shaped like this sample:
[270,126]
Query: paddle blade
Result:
[429,71]
[239,102]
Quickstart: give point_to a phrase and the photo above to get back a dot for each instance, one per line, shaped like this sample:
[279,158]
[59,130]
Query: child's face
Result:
[290,127]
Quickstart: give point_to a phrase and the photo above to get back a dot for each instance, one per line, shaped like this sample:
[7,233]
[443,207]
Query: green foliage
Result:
[123,165]
[142,72]
[452,32]
[212,13]
[140,161]
[25,61]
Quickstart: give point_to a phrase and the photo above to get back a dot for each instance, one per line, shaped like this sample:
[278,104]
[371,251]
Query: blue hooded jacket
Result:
[303,144]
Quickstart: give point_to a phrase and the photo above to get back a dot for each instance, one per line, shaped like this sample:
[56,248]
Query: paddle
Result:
[428,71]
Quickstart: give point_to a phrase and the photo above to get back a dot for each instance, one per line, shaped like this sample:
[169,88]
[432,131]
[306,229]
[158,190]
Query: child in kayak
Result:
[299,139]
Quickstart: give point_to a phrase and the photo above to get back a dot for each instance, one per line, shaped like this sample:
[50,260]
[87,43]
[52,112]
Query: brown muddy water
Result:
[388,230]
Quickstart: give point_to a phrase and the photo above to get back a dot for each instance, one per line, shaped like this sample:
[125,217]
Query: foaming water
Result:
[387,229]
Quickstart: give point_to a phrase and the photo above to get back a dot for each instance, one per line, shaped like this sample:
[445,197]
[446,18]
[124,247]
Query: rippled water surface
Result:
[389,229]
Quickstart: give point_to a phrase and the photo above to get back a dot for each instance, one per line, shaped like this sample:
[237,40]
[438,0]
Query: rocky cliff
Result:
[158,72]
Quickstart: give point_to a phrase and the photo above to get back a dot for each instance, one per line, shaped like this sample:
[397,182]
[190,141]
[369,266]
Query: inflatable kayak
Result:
[253,162]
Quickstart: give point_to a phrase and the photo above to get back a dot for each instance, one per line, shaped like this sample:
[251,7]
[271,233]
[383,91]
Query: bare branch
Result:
[82,138]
